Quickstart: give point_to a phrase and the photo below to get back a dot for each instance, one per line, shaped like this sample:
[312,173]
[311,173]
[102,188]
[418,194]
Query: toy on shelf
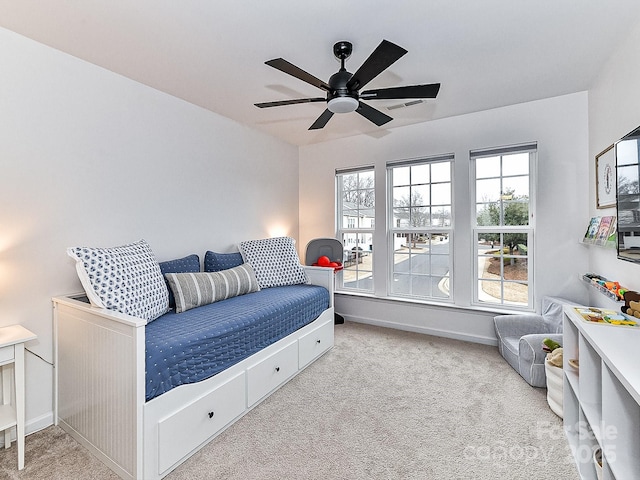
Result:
[325,261]
[610,288]
[602,316]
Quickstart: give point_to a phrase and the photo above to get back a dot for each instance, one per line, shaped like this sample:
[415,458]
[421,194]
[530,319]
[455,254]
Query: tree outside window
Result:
[503,228]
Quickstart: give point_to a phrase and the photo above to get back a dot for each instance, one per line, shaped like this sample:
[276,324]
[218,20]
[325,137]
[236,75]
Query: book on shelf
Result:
[592,230]
[601,230]
[612,233]
[604,230]
[604,316]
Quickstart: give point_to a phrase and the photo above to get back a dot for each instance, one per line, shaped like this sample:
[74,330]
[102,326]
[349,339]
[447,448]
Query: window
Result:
[417,230]
[503,230]
[355,214]
[420,232]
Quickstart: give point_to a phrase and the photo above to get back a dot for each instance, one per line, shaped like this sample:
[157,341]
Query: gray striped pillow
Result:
[201,288]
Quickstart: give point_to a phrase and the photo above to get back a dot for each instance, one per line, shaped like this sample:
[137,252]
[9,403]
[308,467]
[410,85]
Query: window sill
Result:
[430,303]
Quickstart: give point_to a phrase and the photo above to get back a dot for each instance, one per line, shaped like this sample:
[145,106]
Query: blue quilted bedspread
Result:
[194,345]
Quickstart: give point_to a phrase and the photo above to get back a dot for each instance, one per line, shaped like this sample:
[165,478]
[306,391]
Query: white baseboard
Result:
[32,426]
[37,424]
[428,331]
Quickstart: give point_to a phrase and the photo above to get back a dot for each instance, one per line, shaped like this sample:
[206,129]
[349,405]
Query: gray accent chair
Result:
[520,338]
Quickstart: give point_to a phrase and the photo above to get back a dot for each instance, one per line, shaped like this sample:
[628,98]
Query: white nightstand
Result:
[12,341]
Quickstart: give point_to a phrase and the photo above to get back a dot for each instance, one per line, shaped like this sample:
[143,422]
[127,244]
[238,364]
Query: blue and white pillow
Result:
[126,279]
[215,262]
[188,264]
[275,261]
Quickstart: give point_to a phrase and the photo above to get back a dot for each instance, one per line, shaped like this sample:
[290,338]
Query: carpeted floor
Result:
[383,404]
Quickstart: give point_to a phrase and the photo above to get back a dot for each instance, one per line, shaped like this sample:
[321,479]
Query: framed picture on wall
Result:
[606,178]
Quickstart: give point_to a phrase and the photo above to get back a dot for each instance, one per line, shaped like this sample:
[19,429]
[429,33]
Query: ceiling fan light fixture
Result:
[343,88]
[342,105]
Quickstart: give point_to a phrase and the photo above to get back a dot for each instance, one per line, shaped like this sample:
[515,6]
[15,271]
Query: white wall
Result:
[614,110]
[559,125]
[88,157]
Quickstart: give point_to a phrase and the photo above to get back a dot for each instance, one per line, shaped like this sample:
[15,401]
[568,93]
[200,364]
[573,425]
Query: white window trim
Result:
[341,231]
[532,149]
[392,230]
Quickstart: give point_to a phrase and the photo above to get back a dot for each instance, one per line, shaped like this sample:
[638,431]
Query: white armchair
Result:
[520,338]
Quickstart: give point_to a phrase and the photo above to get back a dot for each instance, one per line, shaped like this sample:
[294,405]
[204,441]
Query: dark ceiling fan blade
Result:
[410,91]
[382,58]
[297,72]
[322,120]
[290,102]
[373,115]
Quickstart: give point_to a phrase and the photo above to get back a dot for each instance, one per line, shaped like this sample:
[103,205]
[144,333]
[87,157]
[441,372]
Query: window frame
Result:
[427,230]
[357,230]
[502,229]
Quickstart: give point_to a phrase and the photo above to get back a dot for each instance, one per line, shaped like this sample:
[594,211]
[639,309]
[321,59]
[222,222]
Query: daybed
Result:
[114,394]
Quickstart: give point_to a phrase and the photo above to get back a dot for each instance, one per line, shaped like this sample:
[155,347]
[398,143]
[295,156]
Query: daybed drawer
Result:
[315,343]
[188,428]
[271,372]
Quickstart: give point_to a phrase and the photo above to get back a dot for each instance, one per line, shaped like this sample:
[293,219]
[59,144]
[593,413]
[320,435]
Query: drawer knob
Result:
[277,369]
[318,341]
[211,414]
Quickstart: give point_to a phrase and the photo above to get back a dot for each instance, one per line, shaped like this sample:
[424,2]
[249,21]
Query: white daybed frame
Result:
[100,386]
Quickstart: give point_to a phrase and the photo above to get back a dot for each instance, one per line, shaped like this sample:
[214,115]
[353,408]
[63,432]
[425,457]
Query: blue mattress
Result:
[194,345]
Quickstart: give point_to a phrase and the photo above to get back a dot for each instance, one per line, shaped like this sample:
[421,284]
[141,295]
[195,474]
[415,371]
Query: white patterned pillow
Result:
[274,260]
[202,288]
[126,279]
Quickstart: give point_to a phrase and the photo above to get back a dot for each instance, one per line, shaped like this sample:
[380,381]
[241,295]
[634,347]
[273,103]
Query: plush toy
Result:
[615,288]
[634,309]
[549,345]
[555,357]
[631,304]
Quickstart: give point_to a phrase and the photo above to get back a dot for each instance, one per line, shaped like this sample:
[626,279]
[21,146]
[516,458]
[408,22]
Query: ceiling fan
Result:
[343,89]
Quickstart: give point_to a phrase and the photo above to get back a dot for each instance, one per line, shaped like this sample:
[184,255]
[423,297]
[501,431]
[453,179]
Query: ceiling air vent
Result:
[406,104]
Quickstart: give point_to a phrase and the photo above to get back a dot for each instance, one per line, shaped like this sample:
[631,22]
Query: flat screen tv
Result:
[628,196]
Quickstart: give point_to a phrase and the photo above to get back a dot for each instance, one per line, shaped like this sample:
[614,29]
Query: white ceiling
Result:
[485,53]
